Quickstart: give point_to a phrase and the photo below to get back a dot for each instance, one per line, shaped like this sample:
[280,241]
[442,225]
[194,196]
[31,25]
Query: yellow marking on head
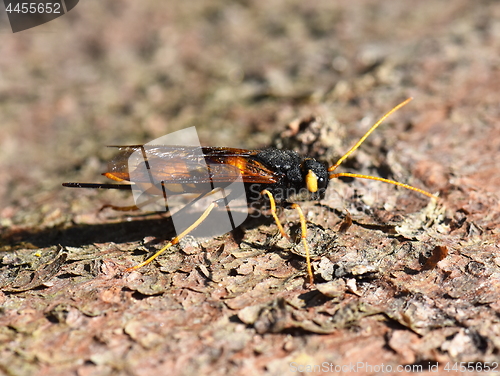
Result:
[311,181]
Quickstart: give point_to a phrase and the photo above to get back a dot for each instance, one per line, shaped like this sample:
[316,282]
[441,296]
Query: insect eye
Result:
[322,182]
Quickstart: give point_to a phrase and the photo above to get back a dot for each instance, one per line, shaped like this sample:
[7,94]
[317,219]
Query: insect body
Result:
[275,174]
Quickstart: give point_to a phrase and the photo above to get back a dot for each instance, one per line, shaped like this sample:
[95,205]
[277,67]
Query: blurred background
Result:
[243,72]
[128,72]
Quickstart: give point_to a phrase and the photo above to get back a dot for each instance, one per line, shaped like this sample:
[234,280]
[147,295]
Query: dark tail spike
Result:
[98,186]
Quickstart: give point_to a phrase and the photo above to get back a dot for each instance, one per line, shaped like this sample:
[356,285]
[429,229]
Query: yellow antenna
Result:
[358,144]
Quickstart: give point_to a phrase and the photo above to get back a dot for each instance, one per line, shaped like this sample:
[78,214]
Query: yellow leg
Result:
[303,226]
[177,238]
[273,212]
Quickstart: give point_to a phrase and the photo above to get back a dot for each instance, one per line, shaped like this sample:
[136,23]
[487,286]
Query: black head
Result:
[316,177]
